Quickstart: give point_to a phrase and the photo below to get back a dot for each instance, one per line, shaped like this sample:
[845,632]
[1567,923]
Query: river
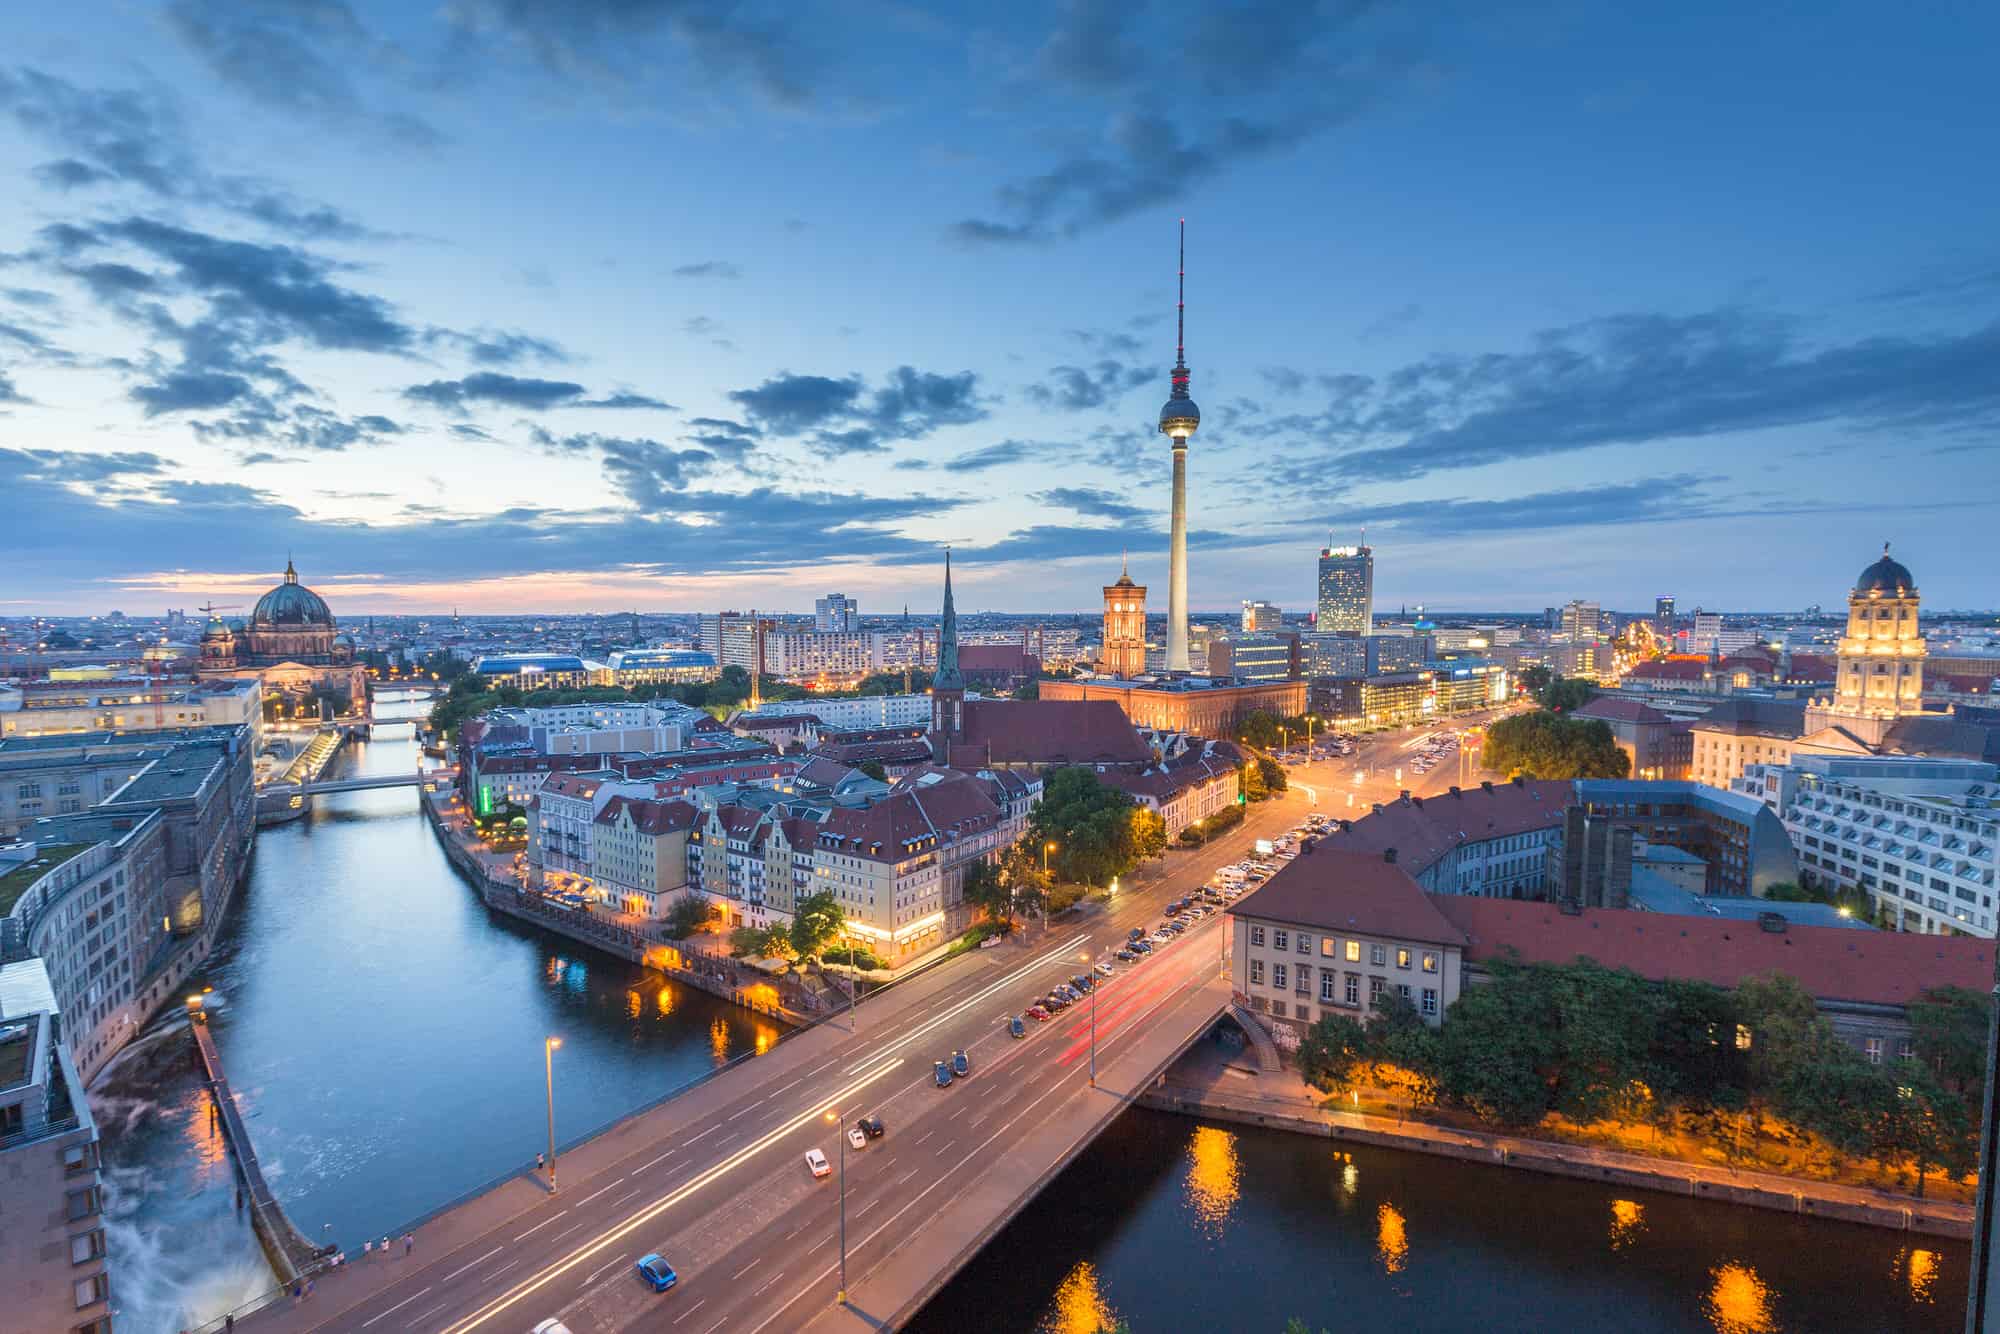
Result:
[384,1032]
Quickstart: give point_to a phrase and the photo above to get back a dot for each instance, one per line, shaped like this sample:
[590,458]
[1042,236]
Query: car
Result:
[817,1164]
[942,1074]
[1038,1013]
[1162,937]
[1055,1002]
[1082,982]
[1126,954]
[1136,933]
[552,1326]
[1143,946]
[961,1064]
[1103,970]
[855,1139]
[872,1126]
[1015,1028]
[1178,927]
[657,1272]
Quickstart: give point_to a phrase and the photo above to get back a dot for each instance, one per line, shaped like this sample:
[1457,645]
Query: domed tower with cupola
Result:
[291,623]
[1882,654]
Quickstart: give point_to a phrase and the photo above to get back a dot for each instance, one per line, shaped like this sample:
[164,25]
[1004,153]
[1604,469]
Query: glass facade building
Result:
[1347,590]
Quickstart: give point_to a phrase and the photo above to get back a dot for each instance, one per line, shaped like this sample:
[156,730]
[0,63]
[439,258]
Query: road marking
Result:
[571,1228]
[628,1194]
[392,1310]
[594,1194]
[691,1310]
[744,1270]
[433,1311]
[866,1207]
[539,1226]
[462,1268]
[549,1273]
[794,1084]
[944,1148]
[595,1274]
[662,1158]
[927,1134]
[795,1231]
[767,1283]
[717,1325]
[759,1103]
[907,1175]
[977,998]
[702,1136]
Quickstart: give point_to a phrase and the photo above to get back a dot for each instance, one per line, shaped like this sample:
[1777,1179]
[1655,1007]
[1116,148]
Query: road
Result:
[1348,786]
[715,1179]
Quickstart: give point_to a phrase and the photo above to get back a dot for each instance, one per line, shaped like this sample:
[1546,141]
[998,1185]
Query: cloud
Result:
[294,56]
[730,439]
[1634,379]
[111,137]
[192,391]
[487,347]
[844,417]
[1092,503]
[1080,389]
[65,465]
[303,426]
[8,393]
[1053,542]
[533,395]
[708,268]
[789,405]
[979,460]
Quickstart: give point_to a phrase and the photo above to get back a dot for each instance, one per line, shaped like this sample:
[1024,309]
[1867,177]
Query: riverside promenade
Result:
[1209,1084]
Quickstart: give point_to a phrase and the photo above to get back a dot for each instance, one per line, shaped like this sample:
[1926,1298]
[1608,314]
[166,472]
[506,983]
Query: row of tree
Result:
[1546,744]
[1590,1043]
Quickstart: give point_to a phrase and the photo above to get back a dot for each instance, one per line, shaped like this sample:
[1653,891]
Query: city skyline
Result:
[513,330]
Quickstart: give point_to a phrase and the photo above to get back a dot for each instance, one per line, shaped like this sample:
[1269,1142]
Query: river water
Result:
[383,1031]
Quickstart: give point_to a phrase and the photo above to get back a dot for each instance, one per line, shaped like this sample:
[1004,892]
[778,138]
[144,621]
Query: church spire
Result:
[948,676]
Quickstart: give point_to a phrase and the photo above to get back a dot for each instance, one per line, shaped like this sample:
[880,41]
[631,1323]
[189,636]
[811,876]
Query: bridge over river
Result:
[715,1179]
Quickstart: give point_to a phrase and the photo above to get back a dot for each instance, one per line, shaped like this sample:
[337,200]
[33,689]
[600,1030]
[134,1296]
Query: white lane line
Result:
[944,1148]
[594,1194]
[571,1228]
[462,1268]
[628,1194]
[661,1159]
[433,1311]
[717,1325]
[927,1134]
[599,1272]
[744,1270]
[551,1272]
[759,1103]
[702,1136]
[866,1207]
[907,1175]
[795,1231]
[691,1310]
[794,1084]
[392,1310]
[767,1283]
[539,1226]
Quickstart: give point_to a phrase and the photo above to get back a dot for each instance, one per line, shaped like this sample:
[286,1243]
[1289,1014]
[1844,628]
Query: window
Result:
[1430,961]
[1256,935]
[1743,1037]
[1351,993]
[1256,972]
[1375,986]
[1354,951]
[101,1325]
[1403,990]
[1278,976]
[1326,976]
[1305,943]
[1302,980]
[1326,947]
[1278,1008]
[1430,1001]
[1403,960]
[1872,1049]
[1281,940]
[1905,1049]
[93,1289]
[86,1246]
[1378,955]
[79,1158]
[83,1203]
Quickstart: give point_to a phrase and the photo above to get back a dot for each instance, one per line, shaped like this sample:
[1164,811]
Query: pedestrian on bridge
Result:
[367,1248]
[409,1244]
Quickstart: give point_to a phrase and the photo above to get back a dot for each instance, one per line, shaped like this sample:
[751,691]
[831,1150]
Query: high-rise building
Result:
[1259,617]
[1250,656]
[1179,419]
[1705,636]
[1663,614]
[734,639]
[1582,621]
[1346,589]
[836,613]
[1124,627]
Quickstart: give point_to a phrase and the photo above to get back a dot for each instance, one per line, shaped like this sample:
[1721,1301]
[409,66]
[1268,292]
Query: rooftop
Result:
[47,858]
[1423,829]
[1356,891]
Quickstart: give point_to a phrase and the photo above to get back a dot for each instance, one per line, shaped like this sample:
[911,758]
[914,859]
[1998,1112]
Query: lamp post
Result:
[1088,960]
[549,1046]
[1047,883]
[839,1133]
[1310,720]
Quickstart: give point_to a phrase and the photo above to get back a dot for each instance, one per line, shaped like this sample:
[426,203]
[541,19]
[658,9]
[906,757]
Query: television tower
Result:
[1179,420]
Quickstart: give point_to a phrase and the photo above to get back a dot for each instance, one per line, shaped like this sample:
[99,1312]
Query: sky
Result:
[682,304]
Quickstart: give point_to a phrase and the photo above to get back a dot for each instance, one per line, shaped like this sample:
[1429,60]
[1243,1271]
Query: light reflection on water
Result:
[1740,1302]
[1214,1179]
[1079,1306]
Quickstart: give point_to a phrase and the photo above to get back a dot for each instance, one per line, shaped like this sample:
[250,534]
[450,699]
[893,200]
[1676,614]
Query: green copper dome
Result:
[291,604]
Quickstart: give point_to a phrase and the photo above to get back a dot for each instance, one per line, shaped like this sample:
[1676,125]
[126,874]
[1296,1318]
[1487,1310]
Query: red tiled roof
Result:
[1349,891]
[1669,669]
[1832,963]
[1043,731]
[581,786]
[1423,829]
[996,658]
[889,830]
[1813,667]
[1614,710]
[651,817]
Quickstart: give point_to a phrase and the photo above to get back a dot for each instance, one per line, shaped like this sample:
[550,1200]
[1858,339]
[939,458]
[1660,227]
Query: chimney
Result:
[1389,856]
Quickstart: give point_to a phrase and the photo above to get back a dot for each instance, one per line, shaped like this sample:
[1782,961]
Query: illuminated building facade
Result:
[1124,652]
[1346,590]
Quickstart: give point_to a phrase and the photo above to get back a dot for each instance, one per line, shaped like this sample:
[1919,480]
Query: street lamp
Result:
[1087,958]
[549,1046]
[1047,883]
[839,1133]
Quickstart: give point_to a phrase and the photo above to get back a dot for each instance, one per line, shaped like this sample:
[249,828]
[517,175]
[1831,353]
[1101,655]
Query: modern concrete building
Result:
[660,666]
[1346,590]
[1332,933]
[1743,842]
[1582,621]
[129,704]
[1261,617]
[836,613]
[1248,656]
[53,1270]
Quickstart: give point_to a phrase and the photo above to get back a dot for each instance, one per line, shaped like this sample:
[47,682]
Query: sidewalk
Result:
[1208,1082]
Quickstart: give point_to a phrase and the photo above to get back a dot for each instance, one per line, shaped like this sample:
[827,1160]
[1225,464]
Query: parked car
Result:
[942,1074]
[1126,955]
[1136,933]
[1082,983]
[657,1273]
[1055,1002]
[552,1326]
[817,1164]
[872,1126]
[1016,1028]
[1103,970]
[855,1139]
[1038,1013]
[961,1064]
[1143,946]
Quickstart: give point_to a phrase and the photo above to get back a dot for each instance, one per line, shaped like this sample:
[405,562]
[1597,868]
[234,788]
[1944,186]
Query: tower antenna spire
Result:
[1180,304]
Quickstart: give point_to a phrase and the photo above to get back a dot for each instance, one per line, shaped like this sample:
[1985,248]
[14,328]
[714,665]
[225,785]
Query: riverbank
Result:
[1210,1084]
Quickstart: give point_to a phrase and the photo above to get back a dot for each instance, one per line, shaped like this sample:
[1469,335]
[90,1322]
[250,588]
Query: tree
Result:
[1272,773]
[1089,822]
[1028,690]
[1948,1027]
[1694,1058]
[874,769]
[1258,729]
[1549,745]
[1931,1125]
[1535,678]
[985,890]
[1330,1051]
[815,922]
[1149,833]
[1021,873]
[1254,788]
[1566,694]
[689,914]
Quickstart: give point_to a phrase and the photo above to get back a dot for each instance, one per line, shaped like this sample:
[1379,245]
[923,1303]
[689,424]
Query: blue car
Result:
[657,1272]
[942,1073]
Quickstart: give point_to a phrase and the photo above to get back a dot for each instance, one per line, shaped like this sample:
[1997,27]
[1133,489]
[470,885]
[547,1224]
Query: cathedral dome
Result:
[1886,576]
[291,604]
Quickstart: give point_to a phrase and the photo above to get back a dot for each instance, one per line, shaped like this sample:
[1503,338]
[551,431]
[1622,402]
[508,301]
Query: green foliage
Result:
[766,942]
[1252,779]
[689,914]
[1948,1029]
[1535,678]
[1090,824]
[1329,1052]
[984,888]
[854,956]
[874,769]
[1028,690]
[1566,694]
[467,697]
[1551,745]
[1149,833]
[1203,830]
[1258,728]
[1272,773]
[1021,873]
[815,922]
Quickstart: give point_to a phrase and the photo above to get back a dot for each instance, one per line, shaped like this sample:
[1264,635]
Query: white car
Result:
[816,1162]
[1161,937]
[855,1139]
[552,1326]
[1104,970]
